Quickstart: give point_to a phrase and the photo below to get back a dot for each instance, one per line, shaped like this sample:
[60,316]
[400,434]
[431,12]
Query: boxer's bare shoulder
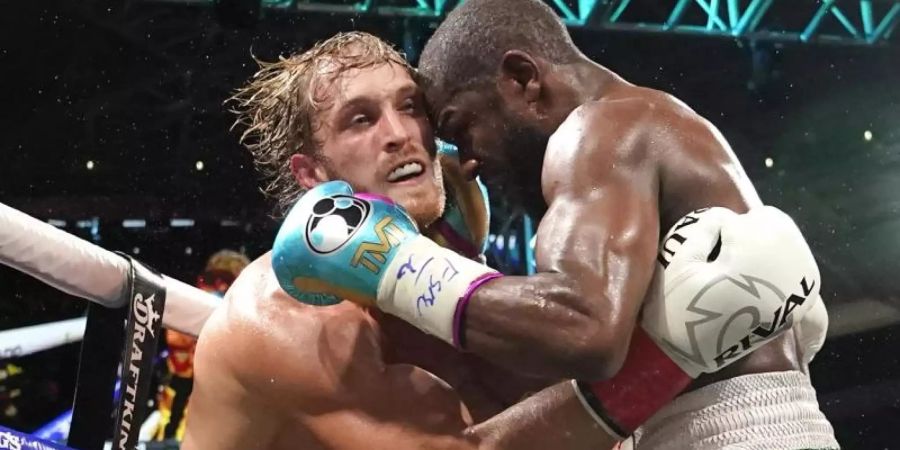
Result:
[637,129]
[644,138]
[281,373]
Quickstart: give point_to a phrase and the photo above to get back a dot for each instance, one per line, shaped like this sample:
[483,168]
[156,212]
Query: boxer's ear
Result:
[307,170]
[520,75]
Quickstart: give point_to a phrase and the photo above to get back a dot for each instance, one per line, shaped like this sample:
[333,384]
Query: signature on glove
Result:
[432,287]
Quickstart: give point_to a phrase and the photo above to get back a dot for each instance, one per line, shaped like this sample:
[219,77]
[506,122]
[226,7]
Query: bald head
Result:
[469,45]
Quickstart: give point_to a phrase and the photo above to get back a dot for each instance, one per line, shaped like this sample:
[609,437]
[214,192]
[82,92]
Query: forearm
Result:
[540,326]
[567,323]
[552,418]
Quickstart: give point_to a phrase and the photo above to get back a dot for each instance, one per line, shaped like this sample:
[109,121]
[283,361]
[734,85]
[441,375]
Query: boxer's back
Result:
[271,373]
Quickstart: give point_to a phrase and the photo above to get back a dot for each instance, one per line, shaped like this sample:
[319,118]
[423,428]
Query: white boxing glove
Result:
[721,303]
[732,283]
[810,331]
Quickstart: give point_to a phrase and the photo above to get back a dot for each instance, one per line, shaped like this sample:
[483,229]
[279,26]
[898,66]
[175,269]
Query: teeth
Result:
[405,170]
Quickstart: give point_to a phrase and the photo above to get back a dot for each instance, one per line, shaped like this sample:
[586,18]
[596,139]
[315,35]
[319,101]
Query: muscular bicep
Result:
[602,227]
[595,254]
[605,247]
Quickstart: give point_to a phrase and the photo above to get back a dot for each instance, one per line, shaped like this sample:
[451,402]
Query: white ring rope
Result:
[37,338]
[85,270]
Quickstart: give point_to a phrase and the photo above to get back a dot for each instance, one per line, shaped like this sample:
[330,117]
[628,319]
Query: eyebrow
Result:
[350,104]
[407,89]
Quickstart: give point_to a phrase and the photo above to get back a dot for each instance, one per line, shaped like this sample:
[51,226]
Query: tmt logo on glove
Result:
[334,244]
[372,254]
[336,219]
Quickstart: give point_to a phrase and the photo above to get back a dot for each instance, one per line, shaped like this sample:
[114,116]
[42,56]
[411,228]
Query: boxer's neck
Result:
[586,81]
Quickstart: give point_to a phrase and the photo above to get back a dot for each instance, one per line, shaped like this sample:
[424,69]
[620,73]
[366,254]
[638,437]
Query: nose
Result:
[395,131]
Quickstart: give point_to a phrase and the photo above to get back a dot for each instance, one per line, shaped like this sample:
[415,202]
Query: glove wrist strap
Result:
[428,286]
[647,381]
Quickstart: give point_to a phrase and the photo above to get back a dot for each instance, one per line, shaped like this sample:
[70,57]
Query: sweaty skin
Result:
[622,165]
[485,388]
[271,373]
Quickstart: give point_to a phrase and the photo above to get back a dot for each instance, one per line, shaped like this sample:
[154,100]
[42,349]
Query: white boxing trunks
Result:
[776,410]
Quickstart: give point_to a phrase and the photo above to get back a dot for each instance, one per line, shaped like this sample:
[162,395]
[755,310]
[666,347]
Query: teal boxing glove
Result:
[464,226]
[337,245]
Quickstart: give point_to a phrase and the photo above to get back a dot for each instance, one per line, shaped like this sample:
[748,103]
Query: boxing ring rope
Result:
[28,340]
[85,270]
[110,282]
[37,338]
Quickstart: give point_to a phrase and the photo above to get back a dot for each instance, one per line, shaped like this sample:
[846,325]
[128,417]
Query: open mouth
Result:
[406,172]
